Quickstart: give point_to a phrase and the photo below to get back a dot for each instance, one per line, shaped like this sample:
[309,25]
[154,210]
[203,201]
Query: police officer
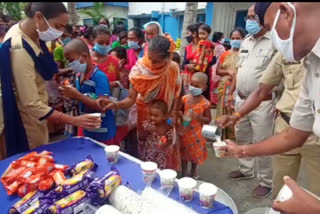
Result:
[294,37]
[256,52]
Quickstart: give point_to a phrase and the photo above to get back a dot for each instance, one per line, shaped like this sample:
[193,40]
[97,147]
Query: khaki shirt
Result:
[30,88]
[306,113]
[292,75]
[254,57]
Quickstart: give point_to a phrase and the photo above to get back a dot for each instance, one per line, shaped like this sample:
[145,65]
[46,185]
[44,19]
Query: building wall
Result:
[108,11]
[224,15]
[138,8]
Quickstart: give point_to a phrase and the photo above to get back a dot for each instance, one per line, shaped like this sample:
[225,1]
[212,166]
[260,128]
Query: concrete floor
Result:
[216,170]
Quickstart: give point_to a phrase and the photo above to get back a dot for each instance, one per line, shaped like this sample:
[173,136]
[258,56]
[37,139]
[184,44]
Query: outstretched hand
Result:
[104,104]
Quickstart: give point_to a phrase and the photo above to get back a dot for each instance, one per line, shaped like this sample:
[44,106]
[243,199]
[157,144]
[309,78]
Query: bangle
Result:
[237,114]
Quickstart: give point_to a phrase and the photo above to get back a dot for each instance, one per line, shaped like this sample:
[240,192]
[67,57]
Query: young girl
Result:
[121,54]
[205,51]
[93,82]
[159,146]
[197,108]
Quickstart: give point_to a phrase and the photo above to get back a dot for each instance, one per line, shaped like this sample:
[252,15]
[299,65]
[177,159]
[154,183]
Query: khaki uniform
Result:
[30,88]
[292,75]
[254,57]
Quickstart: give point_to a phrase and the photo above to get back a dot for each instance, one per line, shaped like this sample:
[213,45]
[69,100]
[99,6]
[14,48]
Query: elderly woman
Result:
[155,76]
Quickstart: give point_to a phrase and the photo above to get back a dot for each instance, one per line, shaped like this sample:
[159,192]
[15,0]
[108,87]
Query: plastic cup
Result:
[186,120]
[284,194]
[167,177]
[149,171]
[186,188]
[112,153]
[217,145]
[207,194]
[96,114]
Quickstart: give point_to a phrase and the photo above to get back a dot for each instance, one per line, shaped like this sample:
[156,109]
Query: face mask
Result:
[66,40]
[285,47]
[253,27]
[189,39]
[235,44]
[134,45]
[101,49]
[195,91]
[222,41]
[78,67]
[50,34]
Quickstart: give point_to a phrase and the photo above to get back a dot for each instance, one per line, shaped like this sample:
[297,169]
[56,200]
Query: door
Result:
[240,16]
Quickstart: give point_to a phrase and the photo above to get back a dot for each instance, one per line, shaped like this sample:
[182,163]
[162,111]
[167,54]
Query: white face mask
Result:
[50,34]
[285,47]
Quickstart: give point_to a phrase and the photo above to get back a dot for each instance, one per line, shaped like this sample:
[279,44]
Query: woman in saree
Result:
[155,76]
[226,69]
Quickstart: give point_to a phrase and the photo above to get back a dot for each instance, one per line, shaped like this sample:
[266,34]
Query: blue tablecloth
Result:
[74,150]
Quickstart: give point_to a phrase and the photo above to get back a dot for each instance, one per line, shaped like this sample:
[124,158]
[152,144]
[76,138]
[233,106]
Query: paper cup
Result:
[167,177]
[186,188]
[207,194]
[284,194]
[149,171]
[112,153]
[216,146]
[96,114]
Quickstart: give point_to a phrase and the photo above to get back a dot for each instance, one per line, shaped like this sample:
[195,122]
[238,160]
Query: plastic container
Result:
[186,188]
[216,146]
[112,153]
[149,171]
[207,194]
[167,177]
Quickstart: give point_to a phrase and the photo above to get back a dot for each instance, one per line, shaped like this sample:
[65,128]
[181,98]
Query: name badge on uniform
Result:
[244,51]
[291,63]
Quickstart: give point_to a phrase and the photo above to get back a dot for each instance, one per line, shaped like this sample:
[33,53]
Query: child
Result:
[197,107]
[93,83]
[159,146]
[121,54]
[205,51]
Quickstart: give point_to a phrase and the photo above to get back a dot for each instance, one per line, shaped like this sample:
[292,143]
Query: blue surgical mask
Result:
[66,40]
[195,91]
[133,45]
[235,44]
[101,49]
[78,67]
[253,27]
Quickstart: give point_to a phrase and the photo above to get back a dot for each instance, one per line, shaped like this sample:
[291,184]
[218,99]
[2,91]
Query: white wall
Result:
[110,12]
[224,15]
[138,8]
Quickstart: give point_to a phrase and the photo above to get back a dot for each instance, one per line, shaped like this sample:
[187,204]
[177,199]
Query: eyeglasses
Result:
[252,18]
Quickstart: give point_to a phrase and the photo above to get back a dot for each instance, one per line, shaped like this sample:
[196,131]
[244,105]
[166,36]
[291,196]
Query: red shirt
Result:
[110,67]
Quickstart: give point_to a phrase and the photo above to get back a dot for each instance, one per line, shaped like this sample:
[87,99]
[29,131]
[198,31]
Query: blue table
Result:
[74,150]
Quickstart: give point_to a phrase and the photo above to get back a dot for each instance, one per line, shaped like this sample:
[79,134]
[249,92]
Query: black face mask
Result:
[189,39]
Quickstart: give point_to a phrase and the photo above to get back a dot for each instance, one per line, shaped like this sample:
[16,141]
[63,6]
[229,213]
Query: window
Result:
[139,22]
[201,18]
[88,22]
[120,21]
[180,26]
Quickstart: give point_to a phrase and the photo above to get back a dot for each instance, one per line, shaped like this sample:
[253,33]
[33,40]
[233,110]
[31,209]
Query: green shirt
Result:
[59,56]
[117,44]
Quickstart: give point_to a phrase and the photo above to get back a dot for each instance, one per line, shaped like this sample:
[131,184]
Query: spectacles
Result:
[252,18]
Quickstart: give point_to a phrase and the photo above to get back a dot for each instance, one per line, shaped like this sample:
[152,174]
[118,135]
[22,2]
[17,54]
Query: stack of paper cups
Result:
[207,193]
[186,188]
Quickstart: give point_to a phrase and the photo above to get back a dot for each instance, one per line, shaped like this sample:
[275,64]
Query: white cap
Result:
[149,166]
[112,148]
[187,182]
[208,189]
